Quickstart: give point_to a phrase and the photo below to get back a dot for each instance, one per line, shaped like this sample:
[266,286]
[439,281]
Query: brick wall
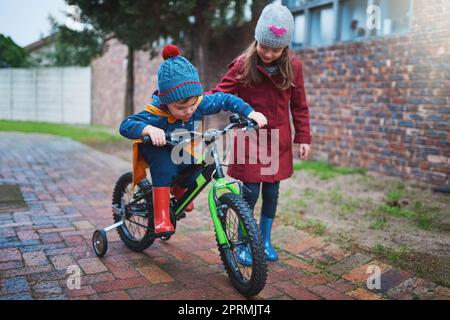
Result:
[109,83]
[145,71]
[384,103]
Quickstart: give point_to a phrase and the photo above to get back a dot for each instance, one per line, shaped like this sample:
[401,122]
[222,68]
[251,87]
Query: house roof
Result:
[40,43]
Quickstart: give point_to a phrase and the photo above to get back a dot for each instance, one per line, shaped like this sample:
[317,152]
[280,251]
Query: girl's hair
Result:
[250,75]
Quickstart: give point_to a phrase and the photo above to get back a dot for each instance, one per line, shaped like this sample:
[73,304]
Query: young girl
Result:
[270,78]
[178,104]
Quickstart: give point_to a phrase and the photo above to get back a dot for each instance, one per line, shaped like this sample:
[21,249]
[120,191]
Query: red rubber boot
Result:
[161,209]
[178,191]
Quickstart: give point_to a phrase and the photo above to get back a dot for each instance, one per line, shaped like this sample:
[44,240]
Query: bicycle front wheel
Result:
[242,231]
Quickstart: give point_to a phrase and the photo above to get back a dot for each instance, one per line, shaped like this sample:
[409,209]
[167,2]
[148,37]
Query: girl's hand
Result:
[157,135]
[304,151]
[259,118]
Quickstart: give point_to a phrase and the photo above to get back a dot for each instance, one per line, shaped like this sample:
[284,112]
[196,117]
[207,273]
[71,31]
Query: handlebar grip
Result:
[243,121]
[147,139]
[254,124]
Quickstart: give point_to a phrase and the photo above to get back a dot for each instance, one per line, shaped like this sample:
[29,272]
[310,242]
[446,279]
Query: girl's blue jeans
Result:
[270,192]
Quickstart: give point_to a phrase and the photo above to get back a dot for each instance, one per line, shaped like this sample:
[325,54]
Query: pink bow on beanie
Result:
[278,31]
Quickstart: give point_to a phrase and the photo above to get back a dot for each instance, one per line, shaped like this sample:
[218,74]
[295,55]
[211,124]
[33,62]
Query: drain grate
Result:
[11,198]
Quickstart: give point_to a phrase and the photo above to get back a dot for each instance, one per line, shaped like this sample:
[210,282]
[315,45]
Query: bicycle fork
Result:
[217,209]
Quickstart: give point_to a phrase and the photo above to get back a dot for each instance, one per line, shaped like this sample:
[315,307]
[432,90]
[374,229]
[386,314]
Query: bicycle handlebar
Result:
[236,121]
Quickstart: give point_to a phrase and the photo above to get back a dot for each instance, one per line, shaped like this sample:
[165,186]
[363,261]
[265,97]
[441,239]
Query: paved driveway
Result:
[67,187]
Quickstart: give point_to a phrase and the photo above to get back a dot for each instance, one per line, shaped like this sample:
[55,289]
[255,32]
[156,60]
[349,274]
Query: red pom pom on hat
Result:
[170,51]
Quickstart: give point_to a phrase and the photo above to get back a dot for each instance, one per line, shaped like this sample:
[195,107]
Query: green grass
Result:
[313,226]
[296,201]
[421,215]
[398,212]
[399,203]
[394,196]
[345,206]
[309,193]
[348,208]
[87,134]
[286,194]
[379,223]
[293,218]
[424,215]
[335,195]
[300,203]
[326,171]
[394,257]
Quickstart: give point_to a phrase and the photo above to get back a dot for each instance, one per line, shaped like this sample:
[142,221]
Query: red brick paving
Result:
[329,293]
[363,294]
[115,295]
[296,291]
[10,254]
[68,186]
[154,274]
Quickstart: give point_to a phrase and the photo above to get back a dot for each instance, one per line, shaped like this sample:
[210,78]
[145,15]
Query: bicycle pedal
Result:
[163,234]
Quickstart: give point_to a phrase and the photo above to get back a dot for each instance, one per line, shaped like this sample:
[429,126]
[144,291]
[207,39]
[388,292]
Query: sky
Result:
[25,21]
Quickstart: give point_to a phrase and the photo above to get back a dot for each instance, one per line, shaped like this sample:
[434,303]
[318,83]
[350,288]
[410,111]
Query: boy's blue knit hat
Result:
[275,26]
[177,77]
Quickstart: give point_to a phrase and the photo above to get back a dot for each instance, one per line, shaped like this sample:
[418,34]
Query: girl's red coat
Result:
[276,105]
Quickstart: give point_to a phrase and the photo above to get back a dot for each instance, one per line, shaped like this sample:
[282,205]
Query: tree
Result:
[75,48]
[67,47]
[136,23]
[11,54]
[203,26]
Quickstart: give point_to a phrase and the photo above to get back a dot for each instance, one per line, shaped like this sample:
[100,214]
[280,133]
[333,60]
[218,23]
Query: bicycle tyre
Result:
[131,242]
[257,281]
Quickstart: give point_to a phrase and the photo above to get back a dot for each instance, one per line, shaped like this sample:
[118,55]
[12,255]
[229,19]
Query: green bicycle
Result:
[232,218]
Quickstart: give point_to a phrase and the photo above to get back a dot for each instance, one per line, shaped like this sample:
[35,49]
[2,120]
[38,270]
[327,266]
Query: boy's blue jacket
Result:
[132,126]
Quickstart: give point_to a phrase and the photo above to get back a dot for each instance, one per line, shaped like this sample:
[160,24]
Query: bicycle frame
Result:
[209,172]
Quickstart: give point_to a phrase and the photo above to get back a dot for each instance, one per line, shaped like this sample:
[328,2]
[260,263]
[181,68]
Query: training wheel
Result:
[100,242]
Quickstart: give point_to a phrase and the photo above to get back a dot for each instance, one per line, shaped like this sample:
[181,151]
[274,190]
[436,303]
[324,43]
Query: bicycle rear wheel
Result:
[136,232]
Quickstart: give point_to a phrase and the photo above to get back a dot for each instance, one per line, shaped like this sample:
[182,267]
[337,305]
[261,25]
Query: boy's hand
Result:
[304,151]
[157,135]
[259,118]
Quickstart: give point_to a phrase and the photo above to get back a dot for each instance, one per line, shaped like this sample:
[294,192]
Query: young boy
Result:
[177,105]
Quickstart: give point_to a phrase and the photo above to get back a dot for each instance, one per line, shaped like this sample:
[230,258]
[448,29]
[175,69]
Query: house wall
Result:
[383,103]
